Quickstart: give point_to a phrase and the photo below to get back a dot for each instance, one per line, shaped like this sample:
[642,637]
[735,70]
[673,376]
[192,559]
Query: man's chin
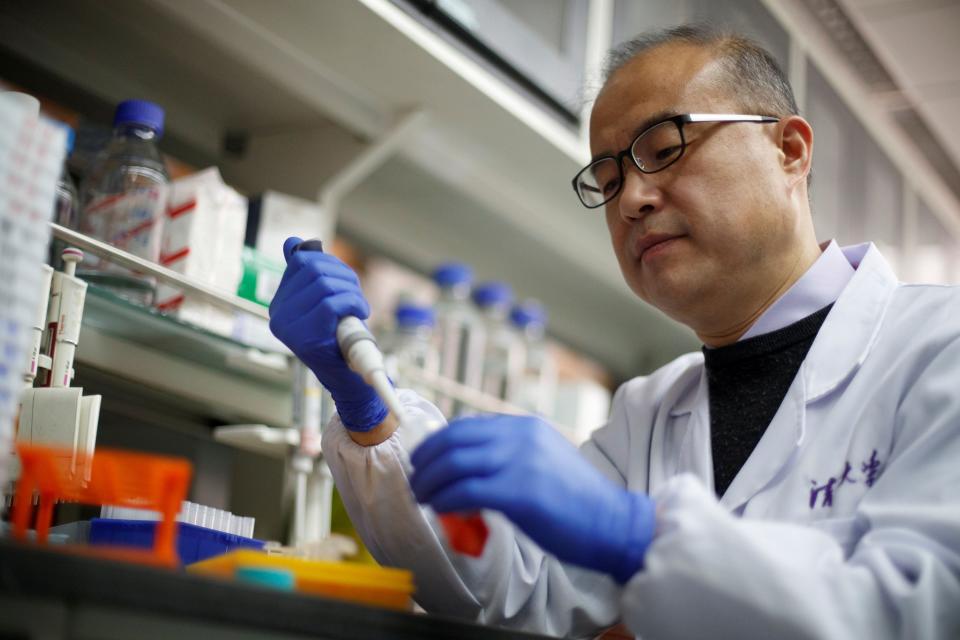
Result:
[677,299]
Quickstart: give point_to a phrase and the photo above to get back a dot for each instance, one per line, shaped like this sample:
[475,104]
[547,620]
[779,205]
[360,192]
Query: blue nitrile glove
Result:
[316,291]
[524,468]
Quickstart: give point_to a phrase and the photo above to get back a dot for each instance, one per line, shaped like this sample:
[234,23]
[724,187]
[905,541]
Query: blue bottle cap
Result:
[492,294]
[449,274]
[413,315]
[281,579]
[529,312]
[71,139]
[141,112]
[67,129]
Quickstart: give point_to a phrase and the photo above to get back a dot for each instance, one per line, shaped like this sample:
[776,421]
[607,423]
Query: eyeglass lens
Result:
[654,150]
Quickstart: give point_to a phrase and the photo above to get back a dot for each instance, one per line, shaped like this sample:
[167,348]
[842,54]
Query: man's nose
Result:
[640,195]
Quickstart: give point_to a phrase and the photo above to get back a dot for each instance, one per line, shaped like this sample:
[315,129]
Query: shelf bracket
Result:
[332,193]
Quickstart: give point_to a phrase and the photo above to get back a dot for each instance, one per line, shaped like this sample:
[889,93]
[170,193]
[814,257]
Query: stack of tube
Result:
[190,513]
[31,157]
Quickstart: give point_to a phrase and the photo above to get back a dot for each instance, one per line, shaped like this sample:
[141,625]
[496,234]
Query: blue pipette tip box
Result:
[194,543]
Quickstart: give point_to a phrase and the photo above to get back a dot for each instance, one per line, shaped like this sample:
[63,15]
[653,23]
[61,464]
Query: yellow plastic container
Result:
[376,586]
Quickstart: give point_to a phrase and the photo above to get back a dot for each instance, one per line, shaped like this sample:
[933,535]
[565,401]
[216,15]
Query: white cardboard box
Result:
[203,239]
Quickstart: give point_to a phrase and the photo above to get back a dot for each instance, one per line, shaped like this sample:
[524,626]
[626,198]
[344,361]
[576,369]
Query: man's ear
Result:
[796,145]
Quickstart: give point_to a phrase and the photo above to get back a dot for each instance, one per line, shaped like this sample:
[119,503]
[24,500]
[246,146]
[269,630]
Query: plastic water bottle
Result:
[410,346]
[537,385]
[503,353]
[459,332]
[124,197]
[66,211]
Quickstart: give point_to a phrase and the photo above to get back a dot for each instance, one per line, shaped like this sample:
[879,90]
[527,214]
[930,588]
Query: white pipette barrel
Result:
[359,349]
[37,326]
[73,292]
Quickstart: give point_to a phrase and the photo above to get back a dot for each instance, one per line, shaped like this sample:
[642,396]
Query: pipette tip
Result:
[381,384]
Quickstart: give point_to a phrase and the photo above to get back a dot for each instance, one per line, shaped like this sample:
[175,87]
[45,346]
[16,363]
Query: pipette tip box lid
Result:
[194,543]
[376,586]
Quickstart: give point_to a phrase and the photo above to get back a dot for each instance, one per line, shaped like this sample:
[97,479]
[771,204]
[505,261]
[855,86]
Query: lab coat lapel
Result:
[694,453]
[680,442]
[774,451]
[840,347]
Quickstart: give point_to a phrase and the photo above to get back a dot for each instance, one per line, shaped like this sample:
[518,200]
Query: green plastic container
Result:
[261,277]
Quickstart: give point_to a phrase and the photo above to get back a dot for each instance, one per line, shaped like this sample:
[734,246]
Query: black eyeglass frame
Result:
[679,121]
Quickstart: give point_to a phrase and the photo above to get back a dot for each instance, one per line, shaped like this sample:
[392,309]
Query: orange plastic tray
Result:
[120,478]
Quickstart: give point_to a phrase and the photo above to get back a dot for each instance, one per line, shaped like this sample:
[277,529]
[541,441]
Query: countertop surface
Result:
[28,571]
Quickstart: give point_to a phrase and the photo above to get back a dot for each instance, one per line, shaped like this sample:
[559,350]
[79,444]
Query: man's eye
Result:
[666,153]
[610,186]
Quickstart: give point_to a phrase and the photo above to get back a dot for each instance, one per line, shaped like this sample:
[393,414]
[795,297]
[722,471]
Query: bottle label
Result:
[130,221]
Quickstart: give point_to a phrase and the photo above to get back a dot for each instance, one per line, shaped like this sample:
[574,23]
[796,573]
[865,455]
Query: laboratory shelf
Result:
[243,382]
[239,381]
[163,351]
[111,315]
[233,382]
[300,93]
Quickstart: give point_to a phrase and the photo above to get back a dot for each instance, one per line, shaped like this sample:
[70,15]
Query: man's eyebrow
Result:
[659,116]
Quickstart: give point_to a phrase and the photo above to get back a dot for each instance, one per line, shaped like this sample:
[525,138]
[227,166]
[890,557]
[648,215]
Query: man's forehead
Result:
[664,67]
[668,80]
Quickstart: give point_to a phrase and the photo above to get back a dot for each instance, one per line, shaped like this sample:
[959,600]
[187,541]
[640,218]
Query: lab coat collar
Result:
[846,335]
[853,324]
[841,346]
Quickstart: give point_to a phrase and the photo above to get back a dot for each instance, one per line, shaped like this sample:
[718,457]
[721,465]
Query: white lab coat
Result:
[843,523]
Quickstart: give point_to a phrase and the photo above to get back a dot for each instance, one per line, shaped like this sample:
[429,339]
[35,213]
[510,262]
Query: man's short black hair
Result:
[751,73]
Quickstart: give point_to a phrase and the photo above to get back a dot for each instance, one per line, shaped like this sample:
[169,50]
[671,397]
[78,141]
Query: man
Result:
[798,479]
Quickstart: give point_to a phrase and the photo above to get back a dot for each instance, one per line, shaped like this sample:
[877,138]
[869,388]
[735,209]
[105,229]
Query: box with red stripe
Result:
[203,239]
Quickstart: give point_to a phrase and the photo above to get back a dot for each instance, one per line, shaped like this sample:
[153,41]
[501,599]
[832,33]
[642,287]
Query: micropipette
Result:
[359,349]
[67,295]
[39,359]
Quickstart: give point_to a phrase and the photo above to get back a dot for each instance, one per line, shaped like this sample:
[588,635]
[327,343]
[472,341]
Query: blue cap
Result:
[529,312]
[142,112]
[67,129]
[71,138]
[449,274]
[413,315]
[492,294]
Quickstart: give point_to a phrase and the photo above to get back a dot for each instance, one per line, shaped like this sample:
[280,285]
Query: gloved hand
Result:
[522,467]
[316,291]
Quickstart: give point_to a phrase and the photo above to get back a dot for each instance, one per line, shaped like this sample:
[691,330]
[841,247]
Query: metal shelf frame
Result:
[167,276]
[441,385]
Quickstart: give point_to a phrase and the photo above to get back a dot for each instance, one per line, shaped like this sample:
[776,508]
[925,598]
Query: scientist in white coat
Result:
[799,478]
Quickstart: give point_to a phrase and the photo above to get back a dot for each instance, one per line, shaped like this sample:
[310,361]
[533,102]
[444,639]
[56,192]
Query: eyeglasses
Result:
[656,148]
